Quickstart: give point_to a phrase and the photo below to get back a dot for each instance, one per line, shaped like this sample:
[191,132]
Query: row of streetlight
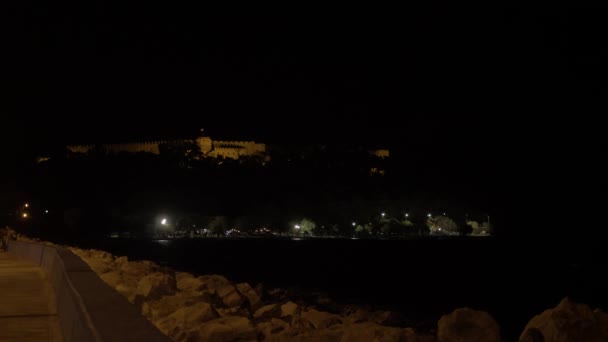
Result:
[25,214]
[429,215]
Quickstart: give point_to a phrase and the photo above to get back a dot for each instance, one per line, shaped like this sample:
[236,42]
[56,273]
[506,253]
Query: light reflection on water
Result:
[163,242]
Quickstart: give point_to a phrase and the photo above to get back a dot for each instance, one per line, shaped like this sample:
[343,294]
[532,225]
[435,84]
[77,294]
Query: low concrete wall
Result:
[88,309]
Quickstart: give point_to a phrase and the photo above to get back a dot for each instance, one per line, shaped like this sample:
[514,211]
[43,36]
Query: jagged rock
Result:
[252,298]
[112,278]
[389,318]
[567,322]
[277,295]
[230,296]
[138,269]
[358,316]
[225,329]
[163,307]
[314,319]
[119,261]
[182,275]
[190,284]
[602,320]
[289,309]
[100,266]
[214,282]
[102,255]
[331,334]
[274,326]
[185,319]
[259,289]
[224,312]
[268,311]
[156,285]
[466,324]
[368,331]
[127,291]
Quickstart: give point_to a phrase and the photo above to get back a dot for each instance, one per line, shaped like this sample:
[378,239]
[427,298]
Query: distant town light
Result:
[429,215]
[27,205]
[297,226]
[163,222]
[24,215]
[46,211]
[382,214]
[354,224]
[407,215]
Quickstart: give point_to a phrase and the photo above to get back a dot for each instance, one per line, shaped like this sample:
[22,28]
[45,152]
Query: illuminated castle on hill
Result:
[208,147]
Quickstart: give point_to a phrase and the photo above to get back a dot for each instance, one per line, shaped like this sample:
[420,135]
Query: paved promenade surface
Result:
[27,302]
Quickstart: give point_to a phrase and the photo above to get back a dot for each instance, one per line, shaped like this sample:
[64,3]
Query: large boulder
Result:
[567,322]
[119,261]
[190,284]
[237,311]
[359,316]
[252,298]
[272,327]
[99,265]
[369,331]
[230,296]
[389,318]
[112,278]
[466,324]
[163,307]
[177,324]
[277,295]
[138,269]
[127,291]
[156,285]
[214,282]
[602,320]
[268,312]
[225,329]
[331,334]
[314,319]
[289,310]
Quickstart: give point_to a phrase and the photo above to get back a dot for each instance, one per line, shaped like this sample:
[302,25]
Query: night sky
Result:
[509,99]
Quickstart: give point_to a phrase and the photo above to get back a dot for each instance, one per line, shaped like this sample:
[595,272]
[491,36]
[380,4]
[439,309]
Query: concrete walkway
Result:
[27,302]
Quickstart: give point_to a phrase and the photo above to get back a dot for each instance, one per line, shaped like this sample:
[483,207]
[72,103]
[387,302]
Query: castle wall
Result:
[380,153]
[214,149]
[80,148]
[149,147]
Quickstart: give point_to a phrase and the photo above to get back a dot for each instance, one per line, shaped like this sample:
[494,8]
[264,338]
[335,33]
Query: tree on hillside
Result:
[304,227]
[480,228]
[442,225]
[218,225]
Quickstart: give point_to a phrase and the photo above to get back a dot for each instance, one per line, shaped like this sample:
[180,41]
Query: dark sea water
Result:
[423,279]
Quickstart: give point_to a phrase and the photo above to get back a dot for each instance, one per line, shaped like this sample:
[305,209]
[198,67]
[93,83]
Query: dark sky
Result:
[515,93]
[111,70]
